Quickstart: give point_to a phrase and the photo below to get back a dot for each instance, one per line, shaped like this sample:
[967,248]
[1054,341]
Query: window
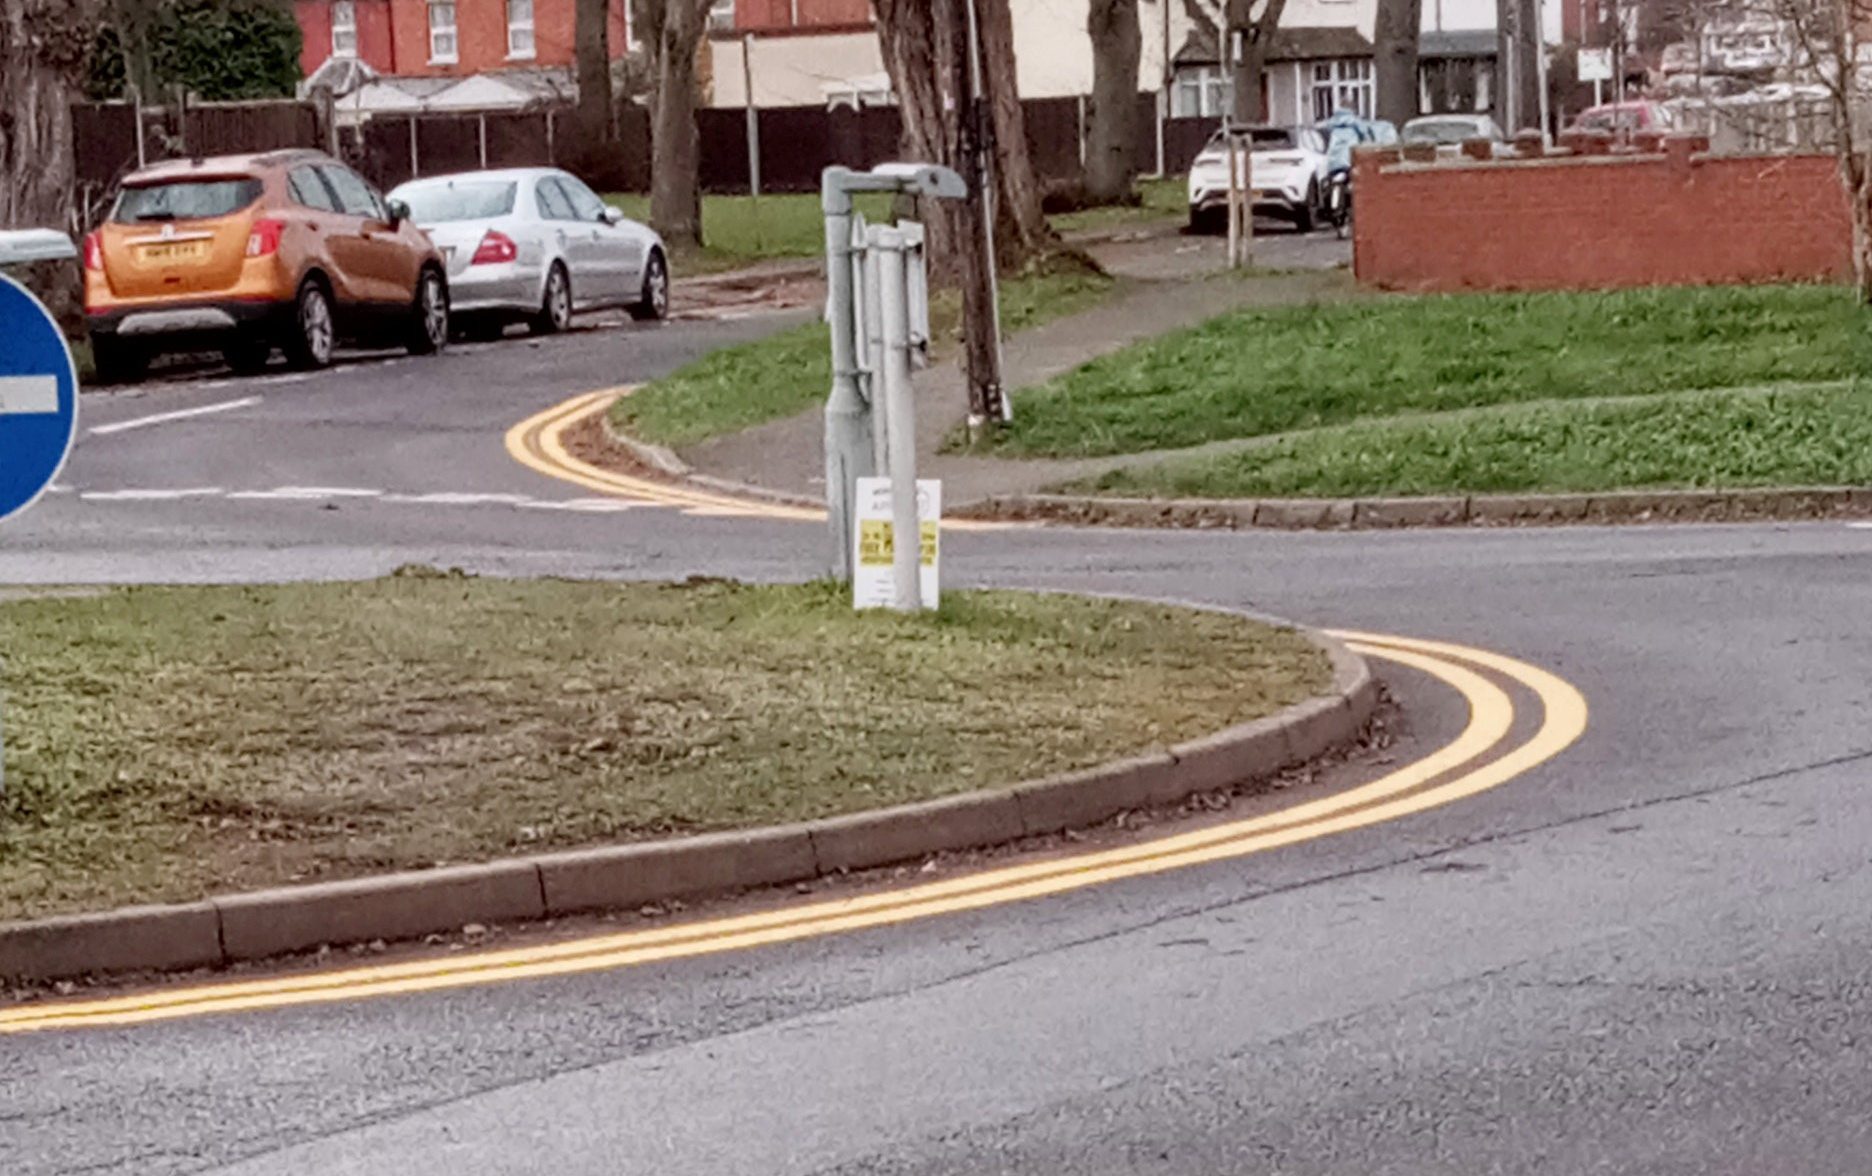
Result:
[344,28]
[184,200]
[585,203]
[552,202]
[308,191]
[1342,85]
[457,200]
[520,28]
[442,46]
[721,15]
[1200,91]
[355,197]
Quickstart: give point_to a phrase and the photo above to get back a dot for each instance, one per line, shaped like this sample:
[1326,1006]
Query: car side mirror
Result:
[399,212]
[611,215]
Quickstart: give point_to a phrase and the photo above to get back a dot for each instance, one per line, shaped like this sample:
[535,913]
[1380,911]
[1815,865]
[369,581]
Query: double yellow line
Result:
[537,443]
[1462,768]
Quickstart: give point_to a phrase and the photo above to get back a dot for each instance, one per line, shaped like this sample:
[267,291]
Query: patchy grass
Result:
[1159,200]
[790,372]
[1265,371]
[742,230]
[1789,436]
[167,743]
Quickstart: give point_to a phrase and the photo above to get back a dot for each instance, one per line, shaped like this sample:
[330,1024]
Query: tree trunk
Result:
[1251,61]
[675,142]
[1021,229]
[593,120]
[1111,133]
[1395,59]
[37,161]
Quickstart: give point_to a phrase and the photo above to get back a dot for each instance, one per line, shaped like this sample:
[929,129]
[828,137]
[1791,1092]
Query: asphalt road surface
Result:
[1649,954]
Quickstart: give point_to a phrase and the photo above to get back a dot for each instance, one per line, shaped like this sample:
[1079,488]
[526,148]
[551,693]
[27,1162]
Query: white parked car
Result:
[1288,169]
[535,245]
[1450,131]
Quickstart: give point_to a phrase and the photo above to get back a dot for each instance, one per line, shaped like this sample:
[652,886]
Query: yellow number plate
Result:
[173,251]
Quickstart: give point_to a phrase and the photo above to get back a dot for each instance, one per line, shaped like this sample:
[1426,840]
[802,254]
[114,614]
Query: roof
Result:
[1458,43]
[512,174]
[1304,43]
[223,165]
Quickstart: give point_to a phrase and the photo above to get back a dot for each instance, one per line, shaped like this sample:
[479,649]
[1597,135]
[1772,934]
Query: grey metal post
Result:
[871,345]
[847,416]
[906,530]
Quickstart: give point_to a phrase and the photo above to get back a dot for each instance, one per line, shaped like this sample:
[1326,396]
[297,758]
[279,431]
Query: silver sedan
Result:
[536,245]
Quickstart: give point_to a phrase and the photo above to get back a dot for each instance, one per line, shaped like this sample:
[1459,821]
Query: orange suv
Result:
[245,253]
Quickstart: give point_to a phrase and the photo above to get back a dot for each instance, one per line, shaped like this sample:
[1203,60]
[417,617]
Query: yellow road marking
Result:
[537,443]
[1407,790]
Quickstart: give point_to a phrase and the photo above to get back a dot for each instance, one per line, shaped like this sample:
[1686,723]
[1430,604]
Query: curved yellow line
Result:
[1408,789]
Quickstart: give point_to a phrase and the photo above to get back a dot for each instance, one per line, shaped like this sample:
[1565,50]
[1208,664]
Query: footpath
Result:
[1175,282]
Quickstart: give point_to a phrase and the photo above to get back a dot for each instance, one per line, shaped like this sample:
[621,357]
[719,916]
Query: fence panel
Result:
[234,128]
[448,143]
[517,140]
[1053,139]
[1184,139]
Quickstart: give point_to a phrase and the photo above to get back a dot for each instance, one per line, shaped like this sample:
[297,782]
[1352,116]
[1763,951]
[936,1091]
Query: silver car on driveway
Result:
[536,245]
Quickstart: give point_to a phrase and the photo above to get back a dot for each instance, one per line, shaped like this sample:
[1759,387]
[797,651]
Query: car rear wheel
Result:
[555,312]
[247,356]
[118,362]
[653,302]
[1303,215]
[315,331]
[429,315]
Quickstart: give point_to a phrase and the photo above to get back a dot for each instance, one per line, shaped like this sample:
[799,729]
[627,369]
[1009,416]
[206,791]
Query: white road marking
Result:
[150,495]
[591,505]
[178,415]
[461,499]
[1860,526]
[307,493]
[37,395]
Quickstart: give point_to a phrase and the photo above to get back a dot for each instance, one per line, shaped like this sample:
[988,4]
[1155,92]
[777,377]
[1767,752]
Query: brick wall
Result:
[1596,222]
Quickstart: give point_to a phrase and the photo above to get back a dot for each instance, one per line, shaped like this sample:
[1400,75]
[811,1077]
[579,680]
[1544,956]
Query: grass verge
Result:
[1791,436]
[166,743]
[789,372]
[742,230]
[1264,371]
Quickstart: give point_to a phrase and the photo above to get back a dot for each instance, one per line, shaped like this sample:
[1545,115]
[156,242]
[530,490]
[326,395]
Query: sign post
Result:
[38,401]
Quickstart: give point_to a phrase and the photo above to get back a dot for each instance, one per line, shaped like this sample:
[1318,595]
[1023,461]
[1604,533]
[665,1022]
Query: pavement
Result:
[1172,281]
[1646,954]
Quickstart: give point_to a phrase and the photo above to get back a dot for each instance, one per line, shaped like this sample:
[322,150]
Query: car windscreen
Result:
[466,200]
[184,200]
[1264,139]
[1449,130]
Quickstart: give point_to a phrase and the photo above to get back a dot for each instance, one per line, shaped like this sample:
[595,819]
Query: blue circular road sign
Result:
[38,398]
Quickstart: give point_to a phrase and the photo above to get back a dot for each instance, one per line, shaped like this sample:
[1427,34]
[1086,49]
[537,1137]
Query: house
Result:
[825,52]
[445,38]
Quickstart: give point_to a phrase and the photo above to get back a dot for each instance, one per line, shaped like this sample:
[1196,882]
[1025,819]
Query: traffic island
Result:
[285,767]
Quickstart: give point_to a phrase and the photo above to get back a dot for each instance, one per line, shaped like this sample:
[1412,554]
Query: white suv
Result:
[1288,168]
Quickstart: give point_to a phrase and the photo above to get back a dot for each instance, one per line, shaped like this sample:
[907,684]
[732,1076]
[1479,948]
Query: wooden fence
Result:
[796,143]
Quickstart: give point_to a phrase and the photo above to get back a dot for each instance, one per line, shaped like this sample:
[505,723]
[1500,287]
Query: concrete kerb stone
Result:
[125,940]
[658,457]
[624,877]
[861,841]
[1794,502]
[392,906]
[263,924]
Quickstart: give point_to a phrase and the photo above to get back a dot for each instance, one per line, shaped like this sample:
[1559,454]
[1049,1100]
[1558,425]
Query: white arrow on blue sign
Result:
[38,398]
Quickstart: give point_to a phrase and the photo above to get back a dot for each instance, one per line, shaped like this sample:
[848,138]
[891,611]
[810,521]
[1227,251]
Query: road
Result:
[1645,955]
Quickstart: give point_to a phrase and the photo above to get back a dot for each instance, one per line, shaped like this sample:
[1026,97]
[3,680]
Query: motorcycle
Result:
[1339,202]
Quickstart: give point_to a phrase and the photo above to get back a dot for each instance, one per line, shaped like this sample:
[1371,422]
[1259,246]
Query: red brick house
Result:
[445,38]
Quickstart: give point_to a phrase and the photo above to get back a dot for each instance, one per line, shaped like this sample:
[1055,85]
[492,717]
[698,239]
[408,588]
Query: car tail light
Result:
[94,251]
[263,240]
[495,248]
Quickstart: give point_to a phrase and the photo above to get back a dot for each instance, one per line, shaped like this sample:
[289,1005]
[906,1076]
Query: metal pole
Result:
[871,346]
[906,531]
[1002,403]
[847,416]
[753,132]
[482,126]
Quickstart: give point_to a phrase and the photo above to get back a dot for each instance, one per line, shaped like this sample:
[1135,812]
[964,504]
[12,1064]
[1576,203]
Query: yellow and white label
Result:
[874,538]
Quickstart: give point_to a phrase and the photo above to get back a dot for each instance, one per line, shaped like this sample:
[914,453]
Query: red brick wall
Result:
[393,35]
[1596,223]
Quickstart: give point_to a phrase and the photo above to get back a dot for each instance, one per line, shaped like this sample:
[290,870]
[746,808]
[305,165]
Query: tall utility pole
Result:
[987,398]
